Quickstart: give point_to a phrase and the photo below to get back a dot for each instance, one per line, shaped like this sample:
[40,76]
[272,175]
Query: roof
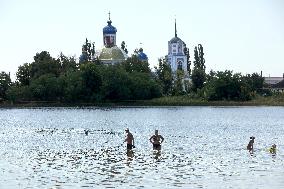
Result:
[279,85]
[272,80]
[112,54]
[109,29]
[141,55]
[175,40]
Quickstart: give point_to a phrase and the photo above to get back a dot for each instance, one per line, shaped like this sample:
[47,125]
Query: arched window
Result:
[179,65]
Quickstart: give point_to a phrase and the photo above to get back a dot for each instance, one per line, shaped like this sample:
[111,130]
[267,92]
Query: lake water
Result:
[204,147]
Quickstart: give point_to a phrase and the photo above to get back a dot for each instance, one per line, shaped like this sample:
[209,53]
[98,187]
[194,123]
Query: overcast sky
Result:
[242,35]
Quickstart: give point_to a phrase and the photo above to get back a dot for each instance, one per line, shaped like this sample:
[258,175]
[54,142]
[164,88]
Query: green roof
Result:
[112,54]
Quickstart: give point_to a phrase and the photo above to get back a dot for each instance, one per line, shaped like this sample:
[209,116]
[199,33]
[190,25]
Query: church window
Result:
[179,66]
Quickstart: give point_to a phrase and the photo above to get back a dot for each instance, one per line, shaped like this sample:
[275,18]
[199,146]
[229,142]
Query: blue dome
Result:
[83,58]
[109,29]
[142,56]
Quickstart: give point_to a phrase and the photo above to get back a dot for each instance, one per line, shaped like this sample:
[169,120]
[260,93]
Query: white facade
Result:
[176,57]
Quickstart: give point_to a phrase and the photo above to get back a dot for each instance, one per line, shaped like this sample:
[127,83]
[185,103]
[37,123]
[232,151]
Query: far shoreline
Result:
[178,101]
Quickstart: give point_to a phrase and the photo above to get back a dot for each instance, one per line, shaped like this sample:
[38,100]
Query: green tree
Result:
[133,64]
[46,87]
[44,64]
[23,75]
[5,83]
[72,87]
[227,86]
[256,81]
[123,47]
[88,52]
[116,84]
[164,76]
[92,80]
[178,84]
[67,63]
[198,78]
[143,86]
[186,52]
[17,93]
[198,73]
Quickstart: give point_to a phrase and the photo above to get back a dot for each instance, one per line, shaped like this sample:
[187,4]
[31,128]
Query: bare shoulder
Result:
[130,135]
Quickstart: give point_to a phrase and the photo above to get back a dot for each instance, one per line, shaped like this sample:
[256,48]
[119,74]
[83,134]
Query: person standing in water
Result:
[157,140]
[272,149]
[129,140]
[250,144]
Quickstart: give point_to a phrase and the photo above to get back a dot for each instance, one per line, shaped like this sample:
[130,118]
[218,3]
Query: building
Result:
[141,55]
[272,80]
[110,53]
[176,57]
[274,84]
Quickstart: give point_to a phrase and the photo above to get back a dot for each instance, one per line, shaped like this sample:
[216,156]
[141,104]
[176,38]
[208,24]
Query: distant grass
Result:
[275,100]
[185,100]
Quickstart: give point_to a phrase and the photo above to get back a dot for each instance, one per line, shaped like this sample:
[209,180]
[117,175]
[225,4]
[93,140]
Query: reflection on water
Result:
[204,147]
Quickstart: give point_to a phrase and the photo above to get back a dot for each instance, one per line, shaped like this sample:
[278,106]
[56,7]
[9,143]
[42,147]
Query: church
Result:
[110,54]
[176,58]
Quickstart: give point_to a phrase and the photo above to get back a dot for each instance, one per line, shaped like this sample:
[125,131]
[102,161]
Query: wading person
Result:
[272,149]
[156,140]
[129,140]
[250,144]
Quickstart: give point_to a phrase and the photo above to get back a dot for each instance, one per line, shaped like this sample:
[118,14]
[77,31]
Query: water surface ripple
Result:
[205,147]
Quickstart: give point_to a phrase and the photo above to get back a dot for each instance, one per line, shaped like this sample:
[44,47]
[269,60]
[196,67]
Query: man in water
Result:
[250,144]
[129,140]
[156,140]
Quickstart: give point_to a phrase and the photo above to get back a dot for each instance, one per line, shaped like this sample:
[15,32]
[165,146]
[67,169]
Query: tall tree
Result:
[164,76]
[88,52]
[92,79]
[44,64]
[186,52]
[178,84]
[23,74]
[198,73]
[123,47]
[5,83]
[67,63]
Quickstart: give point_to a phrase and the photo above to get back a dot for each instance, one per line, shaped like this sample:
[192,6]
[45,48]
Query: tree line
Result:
[62,79]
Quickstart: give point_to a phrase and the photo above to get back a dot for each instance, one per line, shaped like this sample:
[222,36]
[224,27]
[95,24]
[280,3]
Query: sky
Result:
[244,36]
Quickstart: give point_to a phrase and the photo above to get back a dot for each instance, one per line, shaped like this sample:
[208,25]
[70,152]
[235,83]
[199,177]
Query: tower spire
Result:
[109,15]
[175,28]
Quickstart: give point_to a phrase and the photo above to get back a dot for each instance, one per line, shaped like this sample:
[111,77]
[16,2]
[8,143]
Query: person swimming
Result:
[272,149]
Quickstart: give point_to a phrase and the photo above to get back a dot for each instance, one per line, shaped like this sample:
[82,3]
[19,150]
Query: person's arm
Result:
[126,138]
[162,138]
[151,139]
[133,140]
